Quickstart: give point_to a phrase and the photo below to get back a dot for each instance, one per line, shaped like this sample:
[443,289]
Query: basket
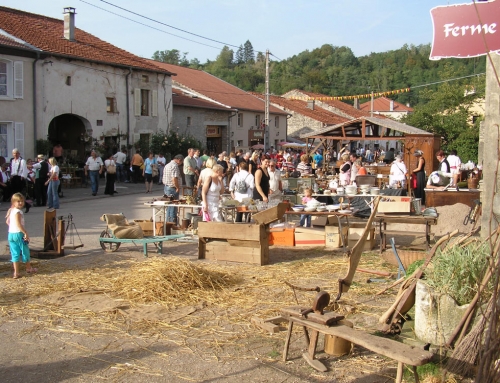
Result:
[407,257]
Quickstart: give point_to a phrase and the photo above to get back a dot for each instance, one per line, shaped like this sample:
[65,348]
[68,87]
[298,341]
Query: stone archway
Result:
[68,130]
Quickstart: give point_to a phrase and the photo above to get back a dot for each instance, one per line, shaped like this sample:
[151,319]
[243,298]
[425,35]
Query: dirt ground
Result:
[67,323]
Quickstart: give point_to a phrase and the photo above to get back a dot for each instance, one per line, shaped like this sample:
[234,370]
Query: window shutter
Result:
[18,79]
[19,137]
[137,102]
[115,106]
[154,107]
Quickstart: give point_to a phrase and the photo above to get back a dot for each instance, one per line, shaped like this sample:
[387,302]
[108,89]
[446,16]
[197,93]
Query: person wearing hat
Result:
[41,168]
[419,174]
[398,172]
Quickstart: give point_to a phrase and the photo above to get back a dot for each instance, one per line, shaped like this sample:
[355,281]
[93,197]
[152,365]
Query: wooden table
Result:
[384,219]
[435,197]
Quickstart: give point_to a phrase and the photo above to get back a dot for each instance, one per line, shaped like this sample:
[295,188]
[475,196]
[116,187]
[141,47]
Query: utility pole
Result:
[266,112]
[371,106]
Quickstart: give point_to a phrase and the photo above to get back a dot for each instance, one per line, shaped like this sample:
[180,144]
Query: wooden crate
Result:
[305,236]
[223,241]
[271,215]
[332,237]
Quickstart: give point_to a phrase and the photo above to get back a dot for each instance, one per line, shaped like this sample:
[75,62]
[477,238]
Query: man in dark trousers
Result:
[41,176]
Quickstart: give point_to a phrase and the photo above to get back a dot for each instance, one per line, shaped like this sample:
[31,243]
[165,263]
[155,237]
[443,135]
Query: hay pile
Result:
[170,282]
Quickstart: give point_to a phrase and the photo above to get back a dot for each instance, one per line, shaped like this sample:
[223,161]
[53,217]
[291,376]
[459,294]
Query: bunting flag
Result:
[358,96]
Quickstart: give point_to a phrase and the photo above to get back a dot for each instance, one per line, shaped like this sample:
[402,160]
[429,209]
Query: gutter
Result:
[128,105]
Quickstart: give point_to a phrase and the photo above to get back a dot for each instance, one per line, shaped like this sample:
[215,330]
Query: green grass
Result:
[429,369]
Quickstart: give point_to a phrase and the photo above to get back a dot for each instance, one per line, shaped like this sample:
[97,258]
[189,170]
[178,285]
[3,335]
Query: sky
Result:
[285,27]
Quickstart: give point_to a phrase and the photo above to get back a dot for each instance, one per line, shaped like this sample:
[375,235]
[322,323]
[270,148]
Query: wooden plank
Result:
[222,230]
[390,348]
[266,326]
[398,232]
[240,243]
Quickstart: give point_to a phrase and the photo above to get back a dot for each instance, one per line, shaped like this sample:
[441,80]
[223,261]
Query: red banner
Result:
[465,30]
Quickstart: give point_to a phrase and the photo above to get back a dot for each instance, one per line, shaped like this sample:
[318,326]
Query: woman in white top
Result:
[398,172]
[211,193]
[204,174]
[53,185]
[110,166]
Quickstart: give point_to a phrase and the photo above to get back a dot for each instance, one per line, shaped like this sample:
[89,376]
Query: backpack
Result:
[241,186]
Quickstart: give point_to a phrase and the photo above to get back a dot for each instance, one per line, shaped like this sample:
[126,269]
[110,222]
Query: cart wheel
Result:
[108,247]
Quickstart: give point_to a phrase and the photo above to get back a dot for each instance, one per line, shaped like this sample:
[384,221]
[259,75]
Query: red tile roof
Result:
[47,34]
[215,88]
[341,106]
[383,104]
[298,106]
[180,99]
[5,40]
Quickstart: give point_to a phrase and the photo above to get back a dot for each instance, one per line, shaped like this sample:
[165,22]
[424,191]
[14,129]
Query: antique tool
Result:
[320,302]
[474,213]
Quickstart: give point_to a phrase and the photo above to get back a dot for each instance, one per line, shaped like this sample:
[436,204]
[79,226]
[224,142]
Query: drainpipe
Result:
[128,106]
[229,130]
[34,103]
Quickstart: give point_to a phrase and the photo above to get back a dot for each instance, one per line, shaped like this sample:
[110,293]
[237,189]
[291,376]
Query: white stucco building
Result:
[67,86]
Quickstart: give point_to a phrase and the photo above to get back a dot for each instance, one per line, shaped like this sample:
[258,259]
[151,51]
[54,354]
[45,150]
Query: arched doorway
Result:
[69,131]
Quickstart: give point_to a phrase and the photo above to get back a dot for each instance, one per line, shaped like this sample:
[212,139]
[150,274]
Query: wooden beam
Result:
[363,128]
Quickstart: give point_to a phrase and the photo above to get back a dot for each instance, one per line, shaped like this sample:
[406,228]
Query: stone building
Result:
[67,85]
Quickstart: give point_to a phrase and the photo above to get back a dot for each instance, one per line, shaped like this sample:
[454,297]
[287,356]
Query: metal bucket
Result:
[417,206]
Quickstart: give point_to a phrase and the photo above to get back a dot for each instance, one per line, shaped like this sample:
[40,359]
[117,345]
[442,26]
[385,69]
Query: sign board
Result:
[465,30]
[213,131]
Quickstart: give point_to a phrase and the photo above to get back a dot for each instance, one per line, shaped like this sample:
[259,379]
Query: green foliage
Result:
[171,144]
[172,56]
[43,146]
[458,271]
[414,266]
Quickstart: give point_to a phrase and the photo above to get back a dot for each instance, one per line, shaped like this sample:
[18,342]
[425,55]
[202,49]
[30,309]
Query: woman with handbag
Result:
[110,165]
[147,172]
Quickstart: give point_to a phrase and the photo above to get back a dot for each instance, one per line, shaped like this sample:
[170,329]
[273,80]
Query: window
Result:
[240,142]
[257,121]
[68,80]
[240,119]
[98,122]
[11,79]
[3,78]
[145,78]
[276,122]
[110,105]
[188,122]
[144,102]
[3,140]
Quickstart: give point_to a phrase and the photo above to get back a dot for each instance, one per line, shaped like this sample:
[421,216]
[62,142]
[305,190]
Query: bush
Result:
[172,143]
[459,271]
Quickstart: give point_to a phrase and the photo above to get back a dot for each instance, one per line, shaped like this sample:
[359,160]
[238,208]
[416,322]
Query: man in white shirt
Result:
[455,164]
[93,167]
[398,172]
[275,184]
[120,159]
[18,172]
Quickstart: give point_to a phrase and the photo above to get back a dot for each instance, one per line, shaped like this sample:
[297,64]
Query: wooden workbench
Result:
[384,219]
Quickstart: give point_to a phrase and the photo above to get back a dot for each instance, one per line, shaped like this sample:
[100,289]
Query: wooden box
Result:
[305,236]
[394,204]
[356,230]
[223,241]
[332,237]
[322,220]
[271,215]
[283,237]
[443,198]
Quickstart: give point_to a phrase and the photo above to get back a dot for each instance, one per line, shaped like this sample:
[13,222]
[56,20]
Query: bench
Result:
[402,353]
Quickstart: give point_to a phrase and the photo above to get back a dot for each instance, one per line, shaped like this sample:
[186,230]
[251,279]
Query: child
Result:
[305,219]
[18,236]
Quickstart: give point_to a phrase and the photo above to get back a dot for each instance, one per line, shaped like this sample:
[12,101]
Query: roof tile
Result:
[47,34]
[215,88]
[383,104]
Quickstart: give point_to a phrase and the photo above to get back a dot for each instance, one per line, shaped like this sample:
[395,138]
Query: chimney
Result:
[69,23]
[356,103]
[391,106]
[310,104]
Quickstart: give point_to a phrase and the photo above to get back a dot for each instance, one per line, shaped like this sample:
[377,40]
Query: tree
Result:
[248,53]
[239,59]
[172,56]
[225,58]
[447,112]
